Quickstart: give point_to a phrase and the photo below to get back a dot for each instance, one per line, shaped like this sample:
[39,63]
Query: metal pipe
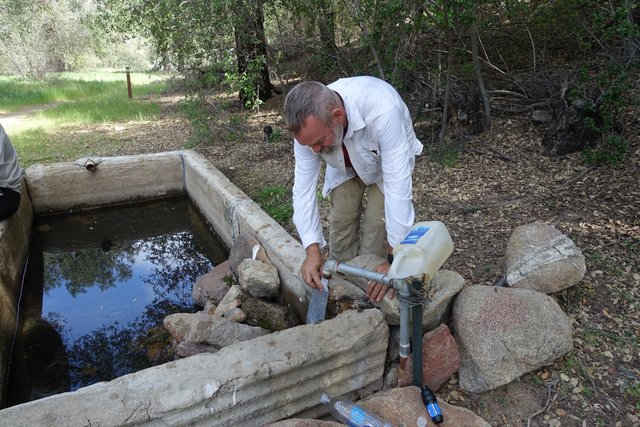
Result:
[404,292]
[332,266]
[90,165]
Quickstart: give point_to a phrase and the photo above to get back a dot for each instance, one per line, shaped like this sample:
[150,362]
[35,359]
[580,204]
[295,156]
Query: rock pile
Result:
[238,300]
[497,333]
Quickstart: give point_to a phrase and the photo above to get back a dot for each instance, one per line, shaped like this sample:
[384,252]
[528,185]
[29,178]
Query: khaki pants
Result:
[348,237]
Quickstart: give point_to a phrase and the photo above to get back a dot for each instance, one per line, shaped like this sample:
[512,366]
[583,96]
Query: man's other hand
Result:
[312,267]
[376,290]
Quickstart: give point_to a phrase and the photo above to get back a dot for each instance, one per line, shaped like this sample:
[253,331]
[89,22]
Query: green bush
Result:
[611,150]
[276,201]
[612,93]
[446,155]
[194,108]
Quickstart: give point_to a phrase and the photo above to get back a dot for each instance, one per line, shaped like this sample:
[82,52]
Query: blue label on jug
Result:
[414,235]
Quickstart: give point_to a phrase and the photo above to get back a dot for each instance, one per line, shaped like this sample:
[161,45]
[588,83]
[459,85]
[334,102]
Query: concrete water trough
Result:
[254,382]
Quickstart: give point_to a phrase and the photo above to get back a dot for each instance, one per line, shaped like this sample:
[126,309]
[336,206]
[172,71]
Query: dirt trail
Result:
[14,119]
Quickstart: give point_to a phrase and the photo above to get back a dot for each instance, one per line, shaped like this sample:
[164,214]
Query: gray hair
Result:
[309,98]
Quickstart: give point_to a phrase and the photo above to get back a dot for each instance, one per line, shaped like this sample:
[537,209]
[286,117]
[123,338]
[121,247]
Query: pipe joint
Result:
[90,165]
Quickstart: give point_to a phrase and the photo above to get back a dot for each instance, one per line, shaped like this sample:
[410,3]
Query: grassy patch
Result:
[587,392]
[194,107]
[106,107]
[275,201]
[46,145]
[570,362]
[447,155]
[536,380]
[40,137]
[16,93]
[632,391]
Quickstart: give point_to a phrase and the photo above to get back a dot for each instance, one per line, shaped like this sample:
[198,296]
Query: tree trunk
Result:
[447,93]
[486,121]
[632,41]
[327,27]
[355,11]
[251,52]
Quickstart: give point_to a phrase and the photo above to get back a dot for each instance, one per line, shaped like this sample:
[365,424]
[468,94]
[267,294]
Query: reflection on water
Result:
[97,289]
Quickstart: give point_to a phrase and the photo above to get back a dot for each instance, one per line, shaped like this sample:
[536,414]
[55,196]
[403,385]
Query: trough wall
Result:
[249,383]
[231,212]
[14,246]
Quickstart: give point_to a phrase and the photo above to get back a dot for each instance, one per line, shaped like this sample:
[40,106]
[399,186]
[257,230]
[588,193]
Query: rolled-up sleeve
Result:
[306,215]
[397,167]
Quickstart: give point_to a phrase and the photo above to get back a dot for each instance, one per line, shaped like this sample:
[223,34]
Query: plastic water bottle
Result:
[422,251]
[431,402]
[352,414]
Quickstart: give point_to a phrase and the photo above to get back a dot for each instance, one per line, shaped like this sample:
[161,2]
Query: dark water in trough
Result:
[96,289]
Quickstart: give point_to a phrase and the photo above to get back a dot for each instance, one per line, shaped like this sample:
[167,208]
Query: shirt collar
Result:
[356,122]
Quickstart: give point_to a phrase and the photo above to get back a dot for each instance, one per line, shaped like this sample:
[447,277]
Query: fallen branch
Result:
[508,92]
[476,208]
[550,388]
[574,178]
[286,184]
[586,375]
[526,108]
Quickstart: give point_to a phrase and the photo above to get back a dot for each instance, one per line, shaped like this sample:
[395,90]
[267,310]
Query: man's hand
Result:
[312,267]
[376,290]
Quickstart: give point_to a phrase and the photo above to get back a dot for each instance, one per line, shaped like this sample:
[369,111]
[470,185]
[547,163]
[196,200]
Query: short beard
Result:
[337,141]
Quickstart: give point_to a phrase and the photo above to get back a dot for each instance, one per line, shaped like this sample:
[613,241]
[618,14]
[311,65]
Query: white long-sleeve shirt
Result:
[382,146]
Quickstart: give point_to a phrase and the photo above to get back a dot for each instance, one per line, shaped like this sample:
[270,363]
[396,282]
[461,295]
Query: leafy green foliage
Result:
[230,280]
[277,135]
[37,37]
[613,94]
[246,82]
[611,150]
[276,201]
[200,36]
[447,154]
[189,35]
[194,107]
[421,48]
[633,390]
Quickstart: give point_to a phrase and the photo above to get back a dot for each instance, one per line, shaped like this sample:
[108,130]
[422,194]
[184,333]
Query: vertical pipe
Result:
[404,293]
[129,84]
[416,343]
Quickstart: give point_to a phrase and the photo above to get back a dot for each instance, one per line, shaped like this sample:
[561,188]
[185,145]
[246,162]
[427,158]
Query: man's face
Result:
[318,136]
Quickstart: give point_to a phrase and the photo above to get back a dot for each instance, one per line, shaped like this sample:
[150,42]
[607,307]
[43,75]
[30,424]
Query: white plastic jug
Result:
[423,251]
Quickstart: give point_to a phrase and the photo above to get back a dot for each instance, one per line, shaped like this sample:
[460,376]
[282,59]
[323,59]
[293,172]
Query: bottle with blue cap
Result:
[353,415]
